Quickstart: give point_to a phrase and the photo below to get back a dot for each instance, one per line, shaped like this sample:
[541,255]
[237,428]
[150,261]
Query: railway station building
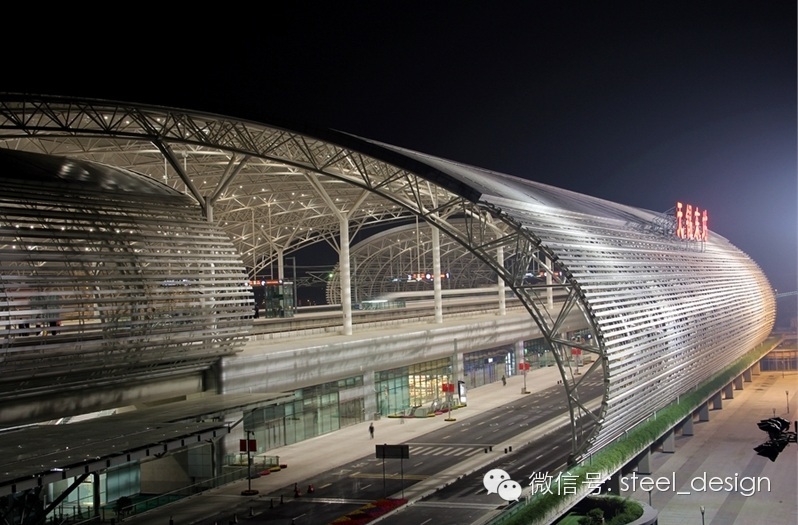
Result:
[149,302]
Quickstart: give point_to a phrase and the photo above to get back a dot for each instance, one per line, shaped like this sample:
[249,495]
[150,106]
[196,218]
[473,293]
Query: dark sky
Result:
[643,103]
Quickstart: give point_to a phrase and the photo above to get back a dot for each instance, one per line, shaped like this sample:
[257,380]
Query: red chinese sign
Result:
[691,223]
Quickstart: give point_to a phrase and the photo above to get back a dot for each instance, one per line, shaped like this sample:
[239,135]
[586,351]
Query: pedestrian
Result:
[504,380]
[371,430]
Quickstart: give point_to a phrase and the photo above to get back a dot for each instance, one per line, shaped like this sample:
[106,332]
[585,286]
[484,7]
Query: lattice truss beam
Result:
[274,191]
[662,315]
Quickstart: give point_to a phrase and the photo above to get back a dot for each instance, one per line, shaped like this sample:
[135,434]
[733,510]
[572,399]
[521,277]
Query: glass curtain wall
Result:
[537,353]
[400,390]
[314,411]
[124,480]
[488,366]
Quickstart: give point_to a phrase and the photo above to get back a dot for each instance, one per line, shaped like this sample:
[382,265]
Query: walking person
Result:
[371,430]
[504,380]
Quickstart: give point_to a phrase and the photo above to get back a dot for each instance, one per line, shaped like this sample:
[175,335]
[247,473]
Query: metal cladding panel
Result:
[668,313]
[99,286]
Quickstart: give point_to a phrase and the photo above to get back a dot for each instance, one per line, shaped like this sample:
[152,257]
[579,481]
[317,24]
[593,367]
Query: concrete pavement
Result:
[748,489]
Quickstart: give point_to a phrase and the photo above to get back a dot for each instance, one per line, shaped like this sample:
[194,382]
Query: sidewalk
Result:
[308,458]
[722,448]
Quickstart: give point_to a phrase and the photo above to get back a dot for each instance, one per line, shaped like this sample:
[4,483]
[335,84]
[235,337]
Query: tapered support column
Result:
[613,485]
[436,270]
[669,444]
[717,401]
[644,463]
[345,278]
[687,426]
[500,284]
[703,412]
[549,290]
[728,391]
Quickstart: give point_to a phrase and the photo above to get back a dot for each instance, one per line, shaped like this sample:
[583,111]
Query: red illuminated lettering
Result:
[691,222]
[679,221]
[697,235]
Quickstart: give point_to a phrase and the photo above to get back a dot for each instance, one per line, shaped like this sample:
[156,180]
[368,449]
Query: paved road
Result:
[721,447]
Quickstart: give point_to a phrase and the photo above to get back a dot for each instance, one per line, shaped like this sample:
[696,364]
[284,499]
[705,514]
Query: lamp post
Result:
[250,491]
[702,515]
[526,367]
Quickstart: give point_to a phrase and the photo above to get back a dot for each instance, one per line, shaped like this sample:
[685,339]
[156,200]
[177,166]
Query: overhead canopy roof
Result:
[36,455]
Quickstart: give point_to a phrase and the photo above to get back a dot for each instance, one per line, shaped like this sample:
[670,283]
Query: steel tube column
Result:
[345,277]
[502,295]
[549,290]
[436,270]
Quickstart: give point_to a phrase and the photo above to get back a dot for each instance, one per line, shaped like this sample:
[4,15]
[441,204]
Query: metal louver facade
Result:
[106,277]
[668,314]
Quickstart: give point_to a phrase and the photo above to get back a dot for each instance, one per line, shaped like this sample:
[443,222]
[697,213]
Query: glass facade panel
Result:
[538,353]
[399,390]
[315,411]
[487,366]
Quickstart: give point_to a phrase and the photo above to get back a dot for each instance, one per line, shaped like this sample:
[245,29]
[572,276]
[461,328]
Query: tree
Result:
[593,517]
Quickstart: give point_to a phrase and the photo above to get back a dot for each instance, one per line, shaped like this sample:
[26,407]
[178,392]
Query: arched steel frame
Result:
[382,263]
[663,314]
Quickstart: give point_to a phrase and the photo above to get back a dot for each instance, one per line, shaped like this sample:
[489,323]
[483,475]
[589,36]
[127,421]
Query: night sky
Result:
[641,103]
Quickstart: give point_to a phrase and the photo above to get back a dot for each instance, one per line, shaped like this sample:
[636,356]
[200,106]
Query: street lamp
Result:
[702,515]
[249,442]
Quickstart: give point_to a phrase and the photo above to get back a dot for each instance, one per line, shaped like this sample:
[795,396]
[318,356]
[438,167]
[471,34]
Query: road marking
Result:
[378,475]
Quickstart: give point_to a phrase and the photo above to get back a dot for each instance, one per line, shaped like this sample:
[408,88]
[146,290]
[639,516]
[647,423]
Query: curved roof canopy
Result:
[665,313]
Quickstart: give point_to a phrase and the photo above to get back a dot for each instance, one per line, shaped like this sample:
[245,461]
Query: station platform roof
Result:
[40,454]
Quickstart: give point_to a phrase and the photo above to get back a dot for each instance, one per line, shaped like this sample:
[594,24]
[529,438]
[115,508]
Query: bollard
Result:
[511,448]
[271,503]
[311,490]
[486,451]
[281,499]
[251,511]
[171,521]
[505,450]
